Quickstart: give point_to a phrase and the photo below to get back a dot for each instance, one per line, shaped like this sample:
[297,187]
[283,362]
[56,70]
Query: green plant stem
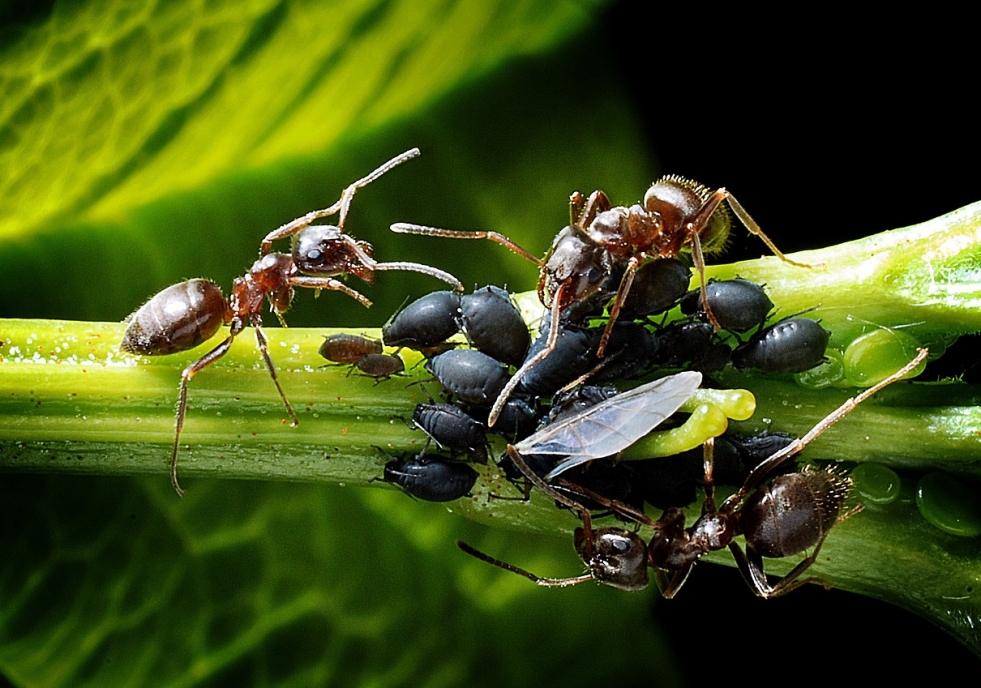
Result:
[69,401]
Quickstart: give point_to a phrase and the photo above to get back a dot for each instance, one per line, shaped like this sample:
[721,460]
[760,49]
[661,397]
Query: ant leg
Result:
[544,582]
[583,211]
[348,194]
[263,343]
[751,566]
[186,376]
[496,237]
[708,482]
[625,283]
[587,520]
[698,259]
[760,473]
[329,283]
[424,269]
[750,224]
[670,585]
[342,205]
[553,339]
[613,505]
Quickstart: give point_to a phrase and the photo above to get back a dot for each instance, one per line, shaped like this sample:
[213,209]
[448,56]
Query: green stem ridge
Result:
[70,402]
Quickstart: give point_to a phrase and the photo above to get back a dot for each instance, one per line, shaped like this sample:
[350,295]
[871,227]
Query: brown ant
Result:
[676,214]
[791,514]
[188,314]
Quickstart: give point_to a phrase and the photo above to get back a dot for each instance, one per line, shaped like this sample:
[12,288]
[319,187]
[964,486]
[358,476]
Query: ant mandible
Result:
[791,514]
[185,315]
[677,213]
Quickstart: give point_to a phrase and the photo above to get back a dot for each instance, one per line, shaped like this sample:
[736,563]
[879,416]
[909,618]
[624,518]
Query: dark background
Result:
[826,130]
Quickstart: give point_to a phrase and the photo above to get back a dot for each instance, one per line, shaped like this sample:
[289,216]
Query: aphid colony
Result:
[607,283]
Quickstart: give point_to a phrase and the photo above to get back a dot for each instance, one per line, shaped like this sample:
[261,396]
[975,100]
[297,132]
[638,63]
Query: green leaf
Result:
[142,145]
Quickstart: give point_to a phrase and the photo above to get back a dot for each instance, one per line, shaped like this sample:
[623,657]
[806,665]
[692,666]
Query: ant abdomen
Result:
[794,512]
[176,319]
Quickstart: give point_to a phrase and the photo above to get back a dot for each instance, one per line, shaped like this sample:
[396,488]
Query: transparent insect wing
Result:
[612,425]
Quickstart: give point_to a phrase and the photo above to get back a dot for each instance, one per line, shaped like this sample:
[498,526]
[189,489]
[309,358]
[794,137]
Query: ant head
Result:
[327,250]
[578,263]
[615,557]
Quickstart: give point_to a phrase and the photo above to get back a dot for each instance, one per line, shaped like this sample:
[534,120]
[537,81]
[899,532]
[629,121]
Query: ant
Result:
[187,314]
[791,514]
[603,240]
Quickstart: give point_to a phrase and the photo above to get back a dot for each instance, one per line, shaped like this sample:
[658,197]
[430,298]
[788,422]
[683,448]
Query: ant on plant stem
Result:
[603,240]
[793,513]
[185,315]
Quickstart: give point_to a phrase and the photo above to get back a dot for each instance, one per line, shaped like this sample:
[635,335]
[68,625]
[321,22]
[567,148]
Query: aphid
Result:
[424,323]
[517,420]
[658,285]
[631,351]
[791,345]
[737,304]
[348,348]
[610,426]
[494,325]
[431,479]
[185,315]
[474,377]
[571,357]
[452,428]
[691,344]
[791,514]
[676,213]
[380,366]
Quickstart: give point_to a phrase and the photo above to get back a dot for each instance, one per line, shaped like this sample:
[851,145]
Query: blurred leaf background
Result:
[145,143]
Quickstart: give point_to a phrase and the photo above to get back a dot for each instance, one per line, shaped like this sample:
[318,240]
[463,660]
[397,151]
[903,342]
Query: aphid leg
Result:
[329,283]
[750,224]
[263,343]
[553,339]
[342,205]
[186,376]
[496,237]
[760,473]
[625,283]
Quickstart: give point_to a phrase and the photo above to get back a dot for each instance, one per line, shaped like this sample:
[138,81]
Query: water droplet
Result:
[949,504]
[875,483]
[873,357]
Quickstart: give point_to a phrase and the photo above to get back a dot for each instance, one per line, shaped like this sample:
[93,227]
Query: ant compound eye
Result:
[620,546]
[595,275]
[315,255]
